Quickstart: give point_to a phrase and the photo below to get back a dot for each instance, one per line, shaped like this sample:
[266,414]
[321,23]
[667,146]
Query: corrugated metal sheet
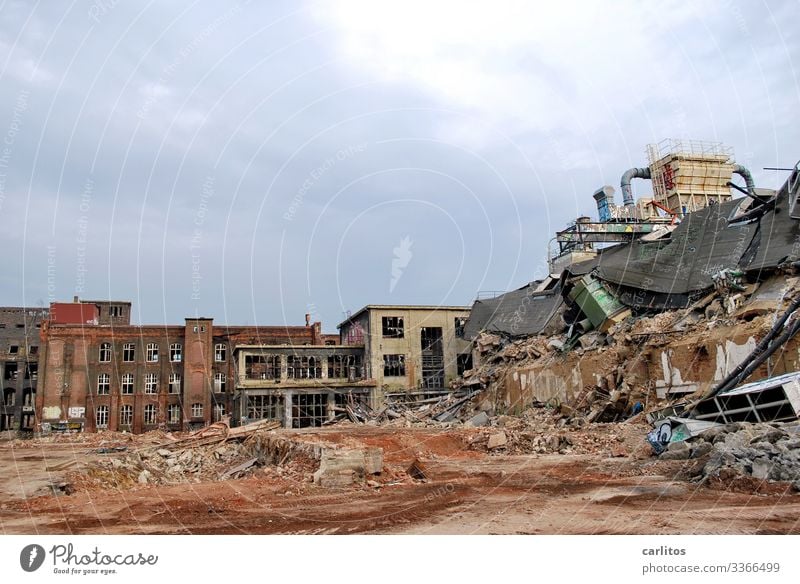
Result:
[518,313]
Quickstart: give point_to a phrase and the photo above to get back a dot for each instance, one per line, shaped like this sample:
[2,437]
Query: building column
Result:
[287,408]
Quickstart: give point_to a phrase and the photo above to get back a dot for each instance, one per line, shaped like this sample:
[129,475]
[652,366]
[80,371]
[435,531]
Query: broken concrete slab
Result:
[497,440]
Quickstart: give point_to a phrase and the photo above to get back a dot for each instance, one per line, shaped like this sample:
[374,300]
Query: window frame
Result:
[151,353]
[125,383]
[393,327]
[151,381]
[103,386]
[105,350]
[175,353]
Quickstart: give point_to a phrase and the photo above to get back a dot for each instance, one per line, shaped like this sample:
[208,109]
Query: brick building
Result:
[100,372]
[19,365]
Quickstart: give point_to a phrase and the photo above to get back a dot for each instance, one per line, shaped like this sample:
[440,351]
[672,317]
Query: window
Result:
[151,383]
[127,384]
[393,327]
[33,350]
[150,412]
[129,352]
[219,352]
[126,416]
[303,367]
[32,371]
[101,416]
[174,414]
[219,412]
[175,352]
[262,366]
[9,397]
[394,365]
[152,352]
[11,371]
[460,322]
[463,362]
[220,381]
[197,410]
[29,397]
[105,353]
[115,311]
[265,407]
[103,384]
[174,382]
[344,366]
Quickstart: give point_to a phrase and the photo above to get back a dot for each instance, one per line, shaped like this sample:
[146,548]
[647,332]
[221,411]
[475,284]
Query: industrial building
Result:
[19,365]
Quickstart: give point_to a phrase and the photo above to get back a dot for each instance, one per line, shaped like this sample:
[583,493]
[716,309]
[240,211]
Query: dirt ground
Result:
[584,491]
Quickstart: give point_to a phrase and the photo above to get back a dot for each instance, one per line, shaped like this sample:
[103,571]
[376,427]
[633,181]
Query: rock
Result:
[374,484]
[676,451]
[761,468]
[480,419]
[796,485]
[164,452]
[701,449]
[497,440]
[144,477]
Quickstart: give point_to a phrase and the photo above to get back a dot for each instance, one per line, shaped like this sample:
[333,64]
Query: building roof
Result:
[519,313]
[429,307]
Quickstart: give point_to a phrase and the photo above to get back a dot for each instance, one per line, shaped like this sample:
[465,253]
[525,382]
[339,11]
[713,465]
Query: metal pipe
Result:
[625,183]
[748,179]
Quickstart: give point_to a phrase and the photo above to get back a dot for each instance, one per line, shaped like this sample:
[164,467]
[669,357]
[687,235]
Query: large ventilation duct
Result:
[625,183]
[748,179]
[605,199]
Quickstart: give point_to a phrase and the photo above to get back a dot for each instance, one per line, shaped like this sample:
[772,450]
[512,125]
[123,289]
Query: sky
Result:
[254,162]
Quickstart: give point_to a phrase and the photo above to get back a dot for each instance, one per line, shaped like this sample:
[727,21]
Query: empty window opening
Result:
[151,383]
[28,397]
[150,414]
[11,371]
[32,371]
[115,311]
[197,410]
[463,362]
[33,350]
[13,349]
[105,353]
[432,357]
[460,322]
[262,366]
[393,327]
[220,382]
[394,365]
[126,416]
[298,367]
[174,414]
[129,352]
[264,407]
[174,382]
[152,352]
[344,367]
[9,397]
[126,386]
[220,352]
[218,412]
[101,417]
[175,352]
[309,410]
[103,384]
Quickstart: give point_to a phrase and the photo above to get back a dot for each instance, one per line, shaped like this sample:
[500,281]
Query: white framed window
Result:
[174,414]
[219,412]
[151,383]
[174,382]
[197,410]
[105,353]
[103,384]
[220,352]
[220,381]
[129,352]
[150,413]
[175,352]
[152,352]
[101,416]
[126,415]
[115,311]
[126,387]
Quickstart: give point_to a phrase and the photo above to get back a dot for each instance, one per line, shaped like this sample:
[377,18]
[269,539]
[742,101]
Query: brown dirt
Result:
[467,491]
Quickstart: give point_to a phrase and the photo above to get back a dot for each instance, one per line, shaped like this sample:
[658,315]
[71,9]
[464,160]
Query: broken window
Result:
[262,366]
[265,407]
[303,367]
[463,362]
[103,384]
[128,352]
[394,365]
[197,410]
[105,353]
[13,349]
[32,371]
[11,371]
[309,410]
[174,382]
[220,381]
[9,397]
[127,384]
[175,352]
[151,383]
[152,352]
[126,416]
[174,414]
[101,416]
[220,352]
[219,412]
[344,367]
[150,413]
[28,397]
[460,322]
[393,327]
[33,350]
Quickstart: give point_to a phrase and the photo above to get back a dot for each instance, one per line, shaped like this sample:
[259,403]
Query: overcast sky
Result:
[255,163]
